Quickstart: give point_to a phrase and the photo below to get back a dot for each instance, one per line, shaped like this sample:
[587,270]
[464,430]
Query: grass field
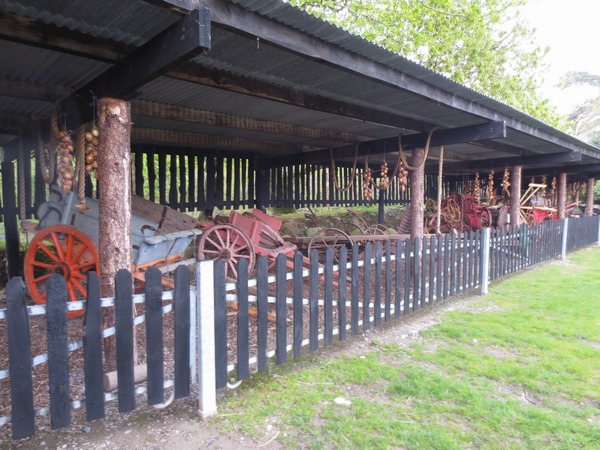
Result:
[517,369]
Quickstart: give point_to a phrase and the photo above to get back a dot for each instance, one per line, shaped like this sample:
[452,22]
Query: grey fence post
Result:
[565,235]
[205,332]
[485,260]
[598,219]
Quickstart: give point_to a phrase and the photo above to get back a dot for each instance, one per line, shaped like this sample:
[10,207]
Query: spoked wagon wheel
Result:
[351,228]
[376,229]
[329,238]
[65,250]
[485,218]
[226,243]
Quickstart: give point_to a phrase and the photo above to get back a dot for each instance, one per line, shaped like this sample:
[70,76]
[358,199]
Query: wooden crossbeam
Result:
[491,130]
[183,40]
[216,78]
[216,119]
[38,34]
[580,169]
[459,135]
[501,163]
[211,141]
[31,91]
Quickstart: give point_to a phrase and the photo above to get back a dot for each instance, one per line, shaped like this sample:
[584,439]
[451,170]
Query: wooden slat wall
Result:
[302,185]
[189,181]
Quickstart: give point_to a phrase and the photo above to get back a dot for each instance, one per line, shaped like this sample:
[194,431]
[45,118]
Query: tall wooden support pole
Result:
[562,195]
[589,197]
[417,194]
[11,225]
[515,195]
[114,170]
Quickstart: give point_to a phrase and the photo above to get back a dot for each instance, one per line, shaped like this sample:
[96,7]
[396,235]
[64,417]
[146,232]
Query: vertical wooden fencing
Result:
[61,403]
[283,310]
[309,307]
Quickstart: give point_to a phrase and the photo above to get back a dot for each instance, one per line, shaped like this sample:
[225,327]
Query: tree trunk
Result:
[114,174]
[562,195]
[417,194]
[515,195]
[589,197]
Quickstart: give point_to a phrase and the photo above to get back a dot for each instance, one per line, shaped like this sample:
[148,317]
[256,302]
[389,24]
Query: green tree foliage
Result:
[586,116]
[483,44]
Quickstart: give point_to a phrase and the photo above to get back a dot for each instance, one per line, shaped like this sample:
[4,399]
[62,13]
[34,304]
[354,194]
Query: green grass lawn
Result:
[517,369]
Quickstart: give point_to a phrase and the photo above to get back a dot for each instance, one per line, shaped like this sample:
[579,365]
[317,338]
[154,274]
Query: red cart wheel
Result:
[65,250]
[485,218]
[226,243]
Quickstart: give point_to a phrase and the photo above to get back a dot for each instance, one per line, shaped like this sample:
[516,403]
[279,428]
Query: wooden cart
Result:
[66,241]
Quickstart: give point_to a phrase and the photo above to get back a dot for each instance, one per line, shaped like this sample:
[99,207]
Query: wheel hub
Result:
[225,254]
[63,269]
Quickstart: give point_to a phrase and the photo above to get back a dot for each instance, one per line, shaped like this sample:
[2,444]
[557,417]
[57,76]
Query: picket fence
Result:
[224,331]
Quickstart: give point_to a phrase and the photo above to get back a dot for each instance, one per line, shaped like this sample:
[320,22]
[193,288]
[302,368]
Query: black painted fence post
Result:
[58,352]
[19,361]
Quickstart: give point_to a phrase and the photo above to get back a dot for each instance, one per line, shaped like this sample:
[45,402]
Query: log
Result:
[114,175]
[417,194]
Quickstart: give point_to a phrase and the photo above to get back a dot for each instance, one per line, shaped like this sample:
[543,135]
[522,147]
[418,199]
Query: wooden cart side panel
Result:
[168,219]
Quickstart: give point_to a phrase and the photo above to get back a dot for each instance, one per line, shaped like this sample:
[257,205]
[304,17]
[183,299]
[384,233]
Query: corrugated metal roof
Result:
[237,54]
[129,22]
[300,20]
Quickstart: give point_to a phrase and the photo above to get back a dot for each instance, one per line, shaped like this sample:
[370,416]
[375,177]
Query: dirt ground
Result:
[179,426]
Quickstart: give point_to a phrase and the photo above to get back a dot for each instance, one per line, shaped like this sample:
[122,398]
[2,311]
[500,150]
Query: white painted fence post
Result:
[563,251]
[485,260]
[598,219]
[205,326]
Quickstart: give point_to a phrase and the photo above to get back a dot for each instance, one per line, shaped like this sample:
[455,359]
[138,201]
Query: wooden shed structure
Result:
[245,103]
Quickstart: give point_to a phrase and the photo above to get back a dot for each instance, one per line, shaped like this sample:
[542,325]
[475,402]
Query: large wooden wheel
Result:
[226,243]
[329,238]
[65,250]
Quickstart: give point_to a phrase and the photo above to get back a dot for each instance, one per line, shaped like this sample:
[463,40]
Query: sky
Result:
[571,29]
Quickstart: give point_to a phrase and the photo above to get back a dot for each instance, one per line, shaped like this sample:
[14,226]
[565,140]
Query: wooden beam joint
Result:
[188,37]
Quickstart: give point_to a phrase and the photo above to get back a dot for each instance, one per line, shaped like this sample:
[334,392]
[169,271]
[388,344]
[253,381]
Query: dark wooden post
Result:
[562,195]
[589,197]
[381,209]
[262,185]
[417,194]
[515,195]
[11,226]
[114,173]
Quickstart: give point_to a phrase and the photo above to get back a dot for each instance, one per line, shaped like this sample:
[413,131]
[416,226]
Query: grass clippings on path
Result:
[519,368]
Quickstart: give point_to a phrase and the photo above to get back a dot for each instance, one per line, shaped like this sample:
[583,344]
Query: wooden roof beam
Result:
[220,79]
[501,163]
[183,40]
[580,169]
[38,34]
[32,91]
[210,141]
[216,119]
[488,130]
